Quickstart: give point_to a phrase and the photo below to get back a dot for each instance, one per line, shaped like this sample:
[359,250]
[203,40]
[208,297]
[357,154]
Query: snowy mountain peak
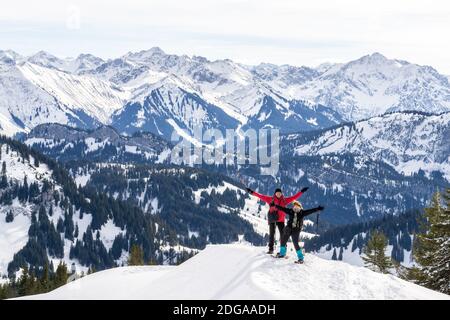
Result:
[375,57]
[45,59]
[87,56]
[9,56]
[144,54]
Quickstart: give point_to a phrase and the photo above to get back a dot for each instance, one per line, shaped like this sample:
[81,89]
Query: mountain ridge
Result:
[88,91]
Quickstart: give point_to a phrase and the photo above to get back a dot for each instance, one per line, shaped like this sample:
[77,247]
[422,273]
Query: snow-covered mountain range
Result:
[158,92]
[407,141]
[368,86]
[361,170]
[103,144]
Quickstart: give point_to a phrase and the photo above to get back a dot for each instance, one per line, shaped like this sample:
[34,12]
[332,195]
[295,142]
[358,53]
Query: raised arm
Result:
[296,196]
[266,199]
[310,211]
[288,211]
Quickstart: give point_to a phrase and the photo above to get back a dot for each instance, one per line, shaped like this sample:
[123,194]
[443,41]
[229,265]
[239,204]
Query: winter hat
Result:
[278,190]
[296,203]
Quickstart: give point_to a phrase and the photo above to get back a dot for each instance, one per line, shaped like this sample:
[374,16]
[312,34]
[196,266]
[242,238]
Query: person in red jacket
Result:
[275,216]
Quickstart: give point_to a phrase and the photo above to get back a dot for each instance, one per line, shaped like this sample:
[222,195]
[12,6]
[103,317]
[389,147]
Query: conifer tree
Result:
[60,225]
[7,290]
[341,254]
[432,251]
[9,216]
[45,279]
[334,256]
[375,253]
[136,257]
[355,244]
[76,232]
[61,275]
[4,180]
[26,283]
[33,284]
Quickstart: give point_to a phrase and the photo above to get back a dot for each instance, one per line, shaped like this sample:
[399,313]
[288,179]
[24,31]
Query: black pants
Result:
[291,232]
[272,227]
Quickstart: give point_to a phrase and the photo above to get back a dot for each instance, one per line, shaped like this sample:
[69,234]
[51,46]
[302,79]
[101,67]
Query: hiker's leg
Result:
[283,241]
[280,226]
[271,235]
[295,239]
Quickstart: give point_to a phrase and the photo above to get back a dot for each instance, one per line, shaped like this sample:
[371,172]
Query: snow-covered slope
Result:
[242,272]
[95,97]
[406,141]
[15,235]
[21,103]
[31,95]
[169,106]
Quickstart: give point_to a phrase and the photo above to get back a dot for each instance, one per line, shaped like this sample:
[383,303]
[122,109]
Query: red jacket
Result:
[282,201]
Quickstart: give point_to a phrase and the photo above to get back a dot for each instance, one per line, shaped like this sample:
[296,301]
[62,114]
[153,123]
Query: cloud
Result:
[279,31]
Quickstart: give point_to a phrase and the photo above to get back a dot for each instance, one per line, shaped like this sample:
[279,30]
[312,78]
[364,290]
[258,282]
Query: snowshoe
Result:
[278,255]
[270,252]
[299,261]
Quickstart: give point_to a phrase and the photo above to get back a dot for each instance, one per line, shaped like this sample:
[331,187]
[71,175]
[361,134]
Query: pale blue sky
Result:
[248,31]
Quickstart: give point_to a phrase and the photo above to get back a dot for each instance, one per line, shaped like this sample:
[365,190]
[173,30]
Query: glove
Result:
[272,204]
[249,190]
[320,208]
[304,189]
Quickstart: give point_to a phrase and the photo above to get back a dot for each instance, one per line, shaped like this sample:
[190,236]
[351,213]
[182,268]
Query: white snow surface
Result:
[240,271]
[14,235]
[97,97]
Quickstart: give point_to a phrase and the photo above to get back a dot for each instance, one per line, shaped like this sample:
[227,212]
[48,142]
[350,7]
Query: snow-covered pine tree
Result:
[375,253]
[432,252]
